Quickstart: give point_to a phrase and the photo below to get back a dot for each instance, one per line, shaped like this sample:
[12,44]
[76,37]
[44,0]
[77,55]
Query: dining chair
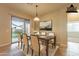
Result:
[51,42]
[19,40]
[43,33]
[25,42]
[35,45]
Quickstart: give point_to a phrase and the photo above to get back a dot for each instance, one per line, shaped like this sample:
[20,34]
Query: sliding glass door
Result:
[27,27]
[19,25]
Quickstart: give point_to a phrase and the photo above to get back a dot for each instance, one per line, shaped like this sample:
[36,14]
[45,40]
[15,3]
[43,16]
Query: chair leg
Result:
[39,50]
[18,44]
[32,52]
[23,47]
[52,45]
[27,49]
[39,53]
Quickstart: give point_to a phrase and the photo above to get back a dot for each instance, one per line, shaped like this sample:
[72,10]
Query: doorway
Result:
[19,25]
[73,31]
[73,34]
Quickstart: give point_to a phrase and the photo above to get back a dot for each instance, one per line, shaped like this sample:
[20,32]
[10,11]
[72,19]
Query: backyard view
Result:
[14,37]
[17,27]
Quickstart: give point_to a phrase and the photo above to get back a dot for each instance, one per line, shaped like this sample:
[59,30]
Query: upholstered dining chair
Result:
[51,42]
[25,42]
[43,33]
[19,40]
[35,45]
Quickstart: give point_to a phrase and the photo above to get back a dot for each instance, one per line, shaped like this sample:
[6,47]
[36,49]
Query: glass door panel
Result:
[17,27]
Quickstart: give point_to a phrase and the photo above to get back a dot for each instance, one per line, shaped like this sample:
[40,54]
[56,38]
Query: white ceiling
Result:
[30,9]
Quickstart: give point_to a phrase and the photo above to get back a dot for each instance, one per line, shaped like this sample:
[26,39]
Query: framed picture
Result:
[46,25]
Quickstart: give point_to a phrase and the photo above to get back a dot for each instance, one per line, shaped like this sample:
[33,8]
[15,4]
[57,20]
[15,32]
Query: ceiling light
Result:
[36,17]
[71,9]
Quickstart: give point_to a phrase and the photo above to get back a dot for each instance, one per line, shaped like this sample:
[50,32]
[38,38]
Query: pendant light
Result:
[71,9]
[36,17]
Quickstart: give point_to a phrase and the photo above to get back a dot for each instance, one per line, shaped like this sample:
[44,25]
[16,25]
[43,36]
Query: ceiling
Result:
[30,9]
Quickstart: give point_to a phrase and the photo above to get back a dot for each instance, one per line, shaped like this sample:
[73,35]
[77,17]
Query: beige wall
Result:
[59,20]
[73,17]
[5,24]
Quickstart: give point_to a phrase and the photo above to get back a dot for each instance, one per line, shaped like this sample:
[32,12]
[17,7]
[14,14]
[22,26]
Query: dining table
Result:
[47,39]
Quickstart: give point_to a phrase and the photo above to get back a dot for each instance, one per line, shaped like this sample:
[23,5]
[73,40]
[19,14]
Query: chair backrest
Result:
[25,39]
[19,37]
[35,33]
[51,34]
[43,33]
[34,43]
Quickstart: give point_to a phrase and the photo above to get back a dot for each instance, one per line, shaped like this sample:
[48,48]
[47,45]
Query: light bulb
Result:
[36,19]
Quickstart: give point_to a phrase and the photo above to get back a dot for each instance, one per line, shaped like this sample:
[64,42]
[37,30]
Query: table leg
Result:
[47,42]
[55,42]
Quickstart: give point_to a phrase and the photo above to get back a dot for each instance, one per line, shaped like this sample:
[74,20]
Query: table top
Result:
[46,37]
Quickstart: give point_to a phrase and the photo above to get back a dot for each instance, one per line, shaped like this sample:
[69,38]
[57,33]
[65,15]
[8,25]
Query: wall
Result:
[59,20]
[5,24]
[73,17]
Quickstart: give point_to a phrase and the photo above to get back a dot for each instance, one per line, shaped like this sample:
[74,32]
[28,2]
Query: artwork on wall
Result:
[46,25]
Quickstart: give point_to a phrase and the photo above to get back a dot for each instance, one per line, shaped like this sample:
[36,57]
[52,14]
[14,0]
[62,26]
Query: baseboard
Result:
[4,44]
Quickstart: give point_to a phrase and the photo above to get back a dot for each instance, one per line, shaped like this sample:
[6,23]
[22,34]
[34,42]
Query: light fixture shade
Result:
[71,9]
[36,19]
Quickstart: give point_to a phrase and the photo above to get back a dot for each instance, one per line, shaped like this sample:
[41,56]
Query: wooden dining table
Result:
[47,39]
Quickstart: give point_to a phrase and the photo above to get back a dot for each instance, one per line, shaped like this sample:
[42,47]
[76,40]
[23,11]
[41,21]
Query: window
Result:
[73,26]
